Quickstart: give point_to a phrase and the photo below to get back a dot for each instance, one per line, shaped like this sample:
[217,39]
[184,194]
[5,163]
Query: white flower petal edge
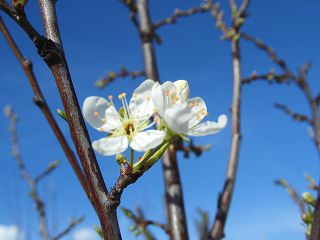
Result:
[141,104]
[95,110]
[183,88]
[209,127]
[111,145]
[144,141]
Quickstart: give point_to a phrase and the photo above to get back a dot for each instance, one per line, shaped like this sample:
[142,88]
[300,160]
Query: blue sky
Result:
[100,38]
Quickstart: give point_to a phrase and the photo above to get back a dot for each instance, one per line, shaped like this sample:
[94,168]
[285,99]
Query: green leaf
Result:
[62,114]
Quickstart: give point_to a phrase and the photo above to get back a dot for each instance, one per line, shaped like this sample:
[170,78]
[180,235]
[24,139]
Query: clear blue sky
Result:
[99,37]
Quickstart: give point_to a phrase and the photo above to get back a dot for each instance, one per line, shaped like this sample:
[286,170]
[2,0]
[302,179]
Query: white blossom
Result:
[126,127]
[181,114]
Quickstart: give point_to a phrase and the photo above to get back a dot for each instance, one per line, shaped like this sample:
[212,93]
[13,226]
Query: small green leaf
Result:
[62,114]
[99,231]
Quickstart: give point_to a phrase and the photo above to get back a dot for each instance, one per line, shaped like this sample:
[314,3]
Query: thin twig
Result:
[293,194]
[295,116]
[41,102]
[69,228]
[33,182]
[122,73]
[142,223]
[301,81]
[269,77]
[205,7]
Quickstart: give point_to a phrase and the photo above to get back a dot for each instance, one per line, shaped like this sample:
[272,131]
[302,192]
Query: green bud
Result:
[309,198]
[137,233]
[240,21]
[120,159]
[127,212]
[133,228]
[62,114]
[99,231]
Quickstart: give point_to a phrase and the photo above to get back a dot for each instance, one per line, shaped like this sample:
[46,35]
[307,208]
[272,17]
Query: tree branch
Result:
[205,7]
[173,188]
[269,77]
[295,116]
[293,194]
[73,223]
[33,182]
[225,197]
[141,223]
[108,217]
[122,73]
[41,102]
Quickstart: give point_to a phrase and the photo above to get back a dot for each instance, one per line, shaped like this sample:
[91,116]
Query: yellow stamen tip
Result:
[110,97]
[96,114]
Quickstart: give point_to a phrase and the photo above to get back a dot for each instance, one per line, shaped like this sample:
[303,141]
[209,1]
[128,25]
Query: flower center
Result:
[129,128]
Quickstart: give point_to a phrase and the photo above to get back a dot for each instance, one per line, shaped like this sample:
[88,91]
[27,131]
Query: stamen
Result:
[191,105]
[110,97]
[96,114]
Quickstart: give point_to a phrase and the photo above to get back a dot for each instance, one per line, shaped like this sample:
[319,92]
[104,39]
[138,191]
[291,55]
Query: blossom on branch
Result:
[126,126]
[181,114]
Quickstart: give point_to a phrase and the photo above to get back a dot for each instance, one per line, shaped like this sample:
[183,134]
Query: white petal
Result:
[183,89]
[158,98]
[141,104]
[146,140]
[182,117]
[111,145]
[209,127]
[96,110]
[178,117]
[199,110]
[172,95]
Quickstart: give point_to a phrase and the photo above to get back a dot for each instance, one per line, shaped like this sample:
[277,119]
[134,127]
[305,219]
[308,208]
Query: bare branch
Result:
[271,53]
[269,77]
[73,223]
[293,194]
[312,183]
[59,68]
[295,116]
[202,225]
[225,197]
[52,166]
[122,73]
[205,7]
[141,223]
[40,206]
[191,148]
[40,101]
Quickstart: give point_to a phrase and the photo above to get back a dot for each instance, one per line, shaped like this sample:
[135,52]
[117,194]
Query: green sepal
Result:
[98,230]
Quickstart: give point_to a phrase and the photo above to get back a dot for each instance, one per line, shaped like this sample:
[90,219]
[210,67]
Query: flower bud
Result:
[308,198]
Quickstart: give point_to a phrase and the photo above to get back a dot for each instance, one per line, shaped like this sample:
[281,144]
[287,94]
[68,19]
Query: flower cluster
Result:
[130,126]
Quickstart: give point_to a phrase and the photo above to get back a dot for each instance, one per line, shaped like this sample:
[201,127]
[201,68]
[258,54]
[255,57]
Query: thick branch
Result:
[180,14]
[40,101]
[173,188]
[122,73]
[108,217]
